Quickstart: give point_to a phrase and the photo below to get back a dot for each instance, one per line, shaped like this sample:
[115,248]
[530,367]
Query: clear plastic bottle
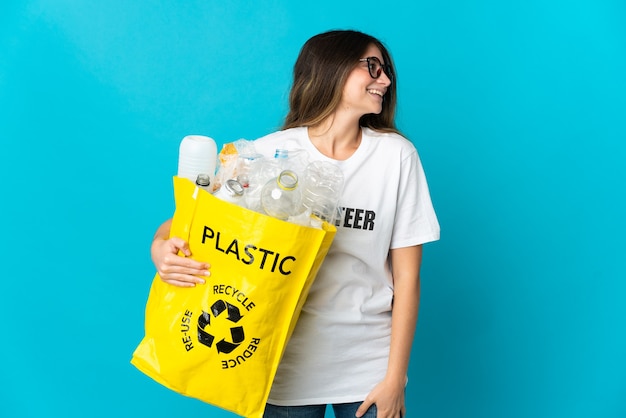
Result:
[203,181]
[280,197]
[231,191]
[294,159]
[322,186]
[246,164]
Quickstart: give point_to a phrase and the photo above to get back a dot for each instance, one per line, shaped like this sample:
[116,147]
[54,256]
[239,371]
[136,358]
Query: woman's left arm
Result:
[388,395]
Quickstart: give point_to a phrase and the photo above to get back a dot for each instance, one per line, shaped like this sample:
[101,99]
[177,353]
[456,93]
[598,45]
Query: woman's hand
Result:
[173,268]
[388,396]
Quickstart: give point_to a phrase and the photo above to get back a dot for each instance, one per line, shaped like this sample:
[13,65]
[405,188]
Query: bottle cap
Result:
[233,187]
[203,180]
[281,153]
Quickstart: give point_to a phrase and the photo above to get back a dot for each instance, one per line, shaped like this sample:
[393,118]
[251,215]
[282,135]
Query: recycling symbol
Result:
[217,311]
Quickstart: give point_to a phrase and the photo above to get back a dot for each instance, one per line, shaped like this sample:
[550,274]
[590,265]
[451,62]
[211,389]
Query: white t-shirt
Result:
[340,346]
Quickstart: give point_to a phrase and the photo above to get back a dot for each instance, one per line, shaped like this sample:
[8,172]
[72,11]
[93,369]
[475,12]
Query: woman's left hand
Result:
[389,400]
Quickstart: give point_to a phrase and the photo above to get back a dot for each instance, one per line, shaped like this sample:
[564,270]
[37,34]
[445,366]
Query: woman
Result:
[352,342]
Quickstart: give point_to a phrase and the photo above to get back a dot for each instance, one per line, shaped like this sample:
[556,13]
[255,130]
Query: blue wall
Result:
[519,113]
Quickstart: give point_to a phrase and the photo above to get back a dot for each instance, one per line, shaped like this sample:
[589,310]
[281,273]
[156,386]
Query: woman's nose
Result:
[384,79]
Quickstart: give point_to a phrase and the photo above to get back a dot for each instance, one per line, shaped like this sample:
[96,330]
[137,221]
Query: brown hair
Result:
[320,73]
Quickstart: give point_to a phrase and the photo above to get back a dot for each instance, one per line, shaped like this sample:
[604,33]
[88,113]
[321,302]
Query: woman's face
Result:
[363,94]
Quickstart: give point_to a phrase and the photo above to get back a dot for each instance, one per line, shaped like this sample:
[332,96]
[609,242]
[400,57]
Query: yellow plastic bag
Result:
[221,342]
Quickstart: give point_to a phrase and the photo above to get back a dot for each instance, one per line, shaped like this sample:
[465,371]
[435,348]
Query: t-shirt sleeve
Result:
[415,219]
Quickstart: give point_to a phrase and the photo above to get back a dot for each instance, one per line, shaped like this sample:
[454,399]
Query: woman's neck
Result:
[335,138]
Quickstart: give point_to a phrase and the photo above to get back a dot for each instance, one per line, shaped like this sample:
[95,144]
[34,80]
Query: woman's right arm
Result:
[175,269]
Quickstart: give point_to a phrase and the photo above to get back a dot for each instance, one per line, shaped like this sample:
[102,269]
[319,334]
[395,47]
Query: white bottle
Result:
[197,154]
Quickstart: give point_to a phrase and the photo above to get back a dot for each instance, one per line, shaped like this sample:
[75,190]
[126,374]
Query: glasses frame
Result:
[386,68]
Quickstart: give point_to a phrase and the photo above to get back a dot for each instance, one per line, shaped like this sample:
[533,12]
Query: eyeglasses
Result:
[375,67]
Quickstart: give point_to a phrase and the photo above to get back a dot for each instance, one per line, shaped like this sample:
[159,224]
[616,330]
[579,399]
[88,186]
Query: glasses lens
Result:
[374,66]
[387,70]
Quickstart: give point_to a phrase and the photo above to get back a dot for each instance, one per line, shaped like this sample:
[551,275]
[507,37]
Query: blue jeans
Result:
[341,410]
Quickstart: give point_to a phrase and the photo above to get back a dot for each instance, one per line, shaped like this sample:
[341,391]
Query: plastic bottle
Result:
[245,168]
[294,159]
[197,154]
[321,190]
[251,175]
[231,191]
[203,181]
[280,197]
[260,172]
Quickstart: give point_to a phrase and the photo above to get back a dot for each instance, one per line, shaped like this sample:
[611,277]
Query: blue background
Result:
[518,111]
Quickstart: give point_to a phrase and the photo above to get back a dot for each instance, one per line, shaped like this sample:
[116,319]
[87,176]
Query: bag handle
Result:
[186,206]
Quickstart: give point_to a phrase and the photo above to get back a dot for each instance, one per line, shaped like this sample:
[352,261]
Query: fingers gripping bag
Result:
[221,342]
